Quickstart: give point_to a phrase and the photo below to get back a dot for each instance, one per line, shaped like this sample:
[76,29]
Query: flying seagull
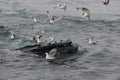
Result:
[51,54]
[60,6]
[105,2]
[86,12]
[37,37]
[52,18]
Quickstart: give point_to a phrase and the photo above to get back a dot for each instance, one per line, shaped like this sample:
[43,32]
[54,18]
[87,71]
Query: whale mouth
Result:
[64,49]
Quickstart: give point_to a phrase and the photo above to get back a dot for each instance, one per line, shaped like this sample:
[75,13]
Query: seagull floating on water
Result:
[51,54]
[34,19]
[91,42]
[60,6]
[105,2]
[86,12]
[52,18]
[12,35]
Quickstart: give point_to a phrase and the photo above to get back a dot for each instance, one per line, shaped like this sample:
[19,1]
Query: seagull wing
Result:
[107,1]
[46,20]
[53,52]
[59,18]
[48,14]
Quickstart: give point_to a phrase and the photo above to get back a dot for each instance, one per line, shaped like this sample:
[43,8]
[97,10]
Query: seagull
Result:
[105,2]
[86,12]
[12,35]
[52,39]
[60,6]
[34,19]
[52,18]
[91,42]
[51,54]
[38,36]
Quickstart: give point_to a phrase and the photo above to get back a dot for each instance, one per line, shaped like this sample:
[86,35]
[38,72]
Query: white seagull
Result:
[60,6]
[51,54]
[91,42]
[34,19]
[12,35]
[38,36]
[52,18]
[86,12]
[105,2]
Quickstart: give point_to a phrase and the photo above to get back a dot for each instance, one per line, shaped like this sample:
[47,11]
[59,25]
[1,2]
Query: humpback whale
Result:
[51,50]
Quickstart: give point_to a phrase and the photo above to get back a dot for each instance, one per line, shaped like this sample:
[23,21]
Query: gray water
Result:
[99,62]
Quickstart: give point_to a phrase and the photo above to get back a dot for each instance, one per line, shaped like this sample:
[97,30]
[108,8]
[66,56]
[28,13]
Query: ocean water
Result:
[99,62]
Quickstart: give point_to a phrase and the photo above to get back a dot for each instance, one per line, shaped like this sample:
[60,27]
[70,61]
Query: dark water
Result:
[100,62]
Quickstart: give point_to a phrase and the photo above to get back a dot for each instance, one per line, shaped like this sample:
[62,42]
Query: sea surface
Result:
[98,62]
